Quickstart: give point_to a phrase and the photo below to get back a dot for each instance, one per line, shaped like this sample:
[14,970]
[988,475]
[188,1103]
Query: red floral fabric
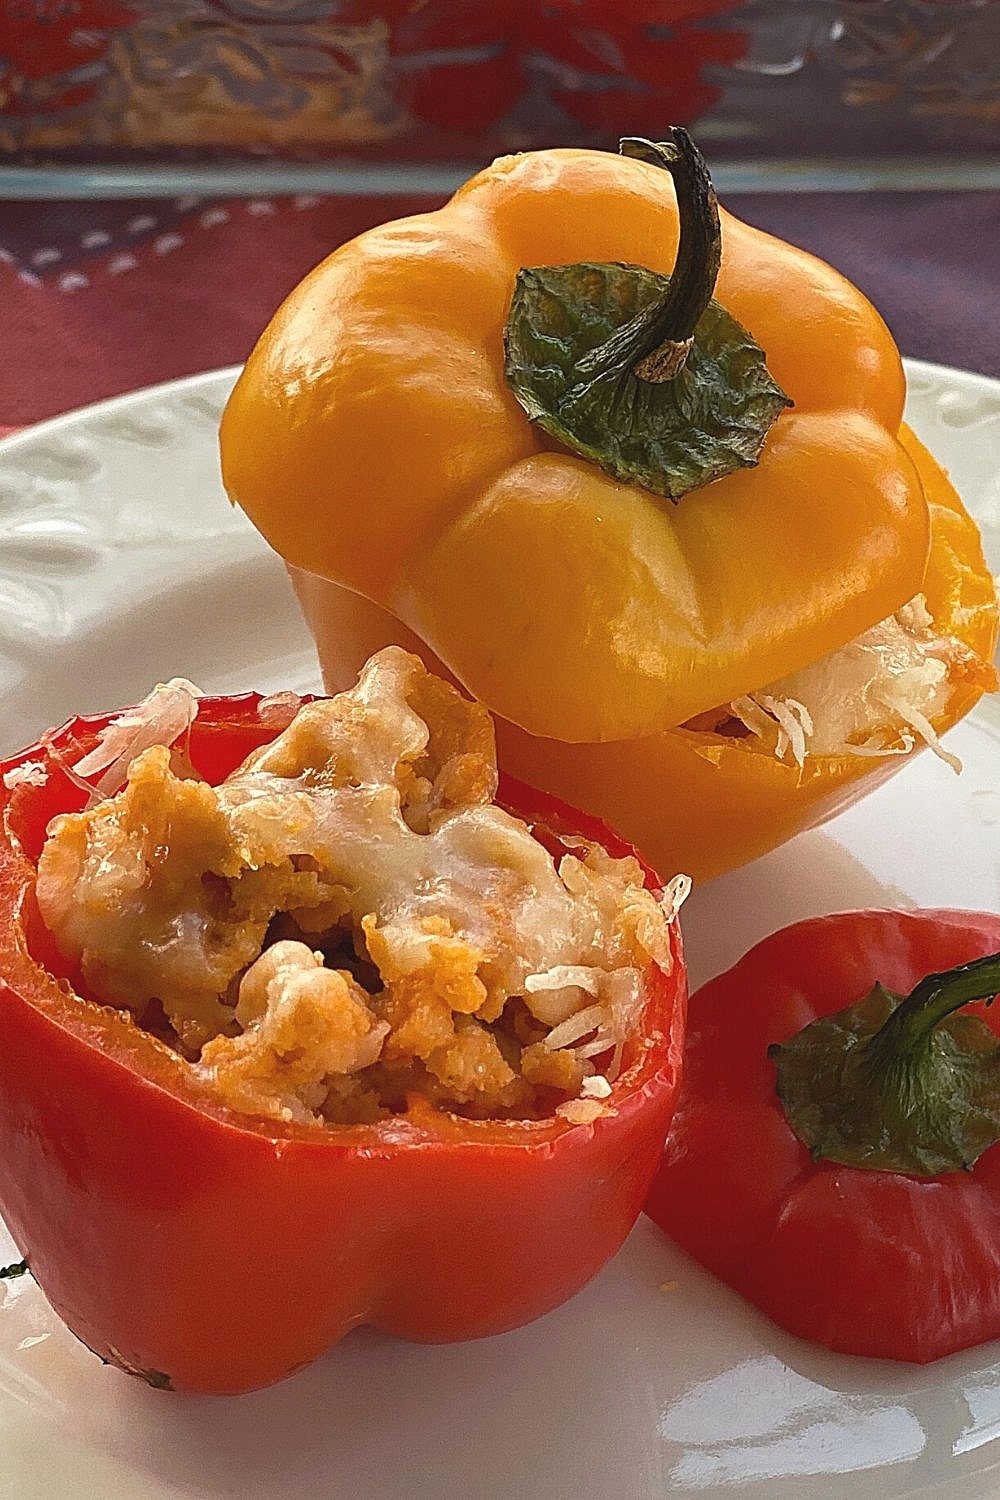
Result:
[316,77]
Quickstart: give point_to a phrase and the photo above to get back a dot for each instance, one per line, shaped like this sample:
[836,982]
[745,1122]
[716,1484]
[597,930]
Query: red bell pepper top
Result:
[215,1252]
[867,1262]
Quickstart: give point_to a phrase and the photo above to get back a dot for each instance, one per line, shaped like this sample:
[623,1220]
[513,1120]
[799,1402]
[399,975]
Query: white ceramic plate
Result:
[121,564]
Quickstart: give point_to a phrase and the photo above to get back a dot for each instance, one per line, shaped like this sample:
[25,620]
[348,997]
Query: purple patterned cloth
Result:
[79,279]
[930,262]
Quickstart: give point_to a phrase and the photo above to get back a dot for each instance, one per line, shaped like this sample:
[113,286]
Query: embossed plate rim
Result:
[685,1390]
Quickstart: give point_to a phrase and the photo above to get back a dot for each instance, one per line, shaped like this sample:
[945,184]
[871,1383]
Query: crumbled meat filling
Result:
[349,921]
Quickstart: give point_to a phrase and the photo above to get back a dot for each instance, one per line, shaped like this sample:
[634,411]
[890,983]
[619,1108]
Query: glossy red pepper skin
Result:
[870,1263]
[181,1240]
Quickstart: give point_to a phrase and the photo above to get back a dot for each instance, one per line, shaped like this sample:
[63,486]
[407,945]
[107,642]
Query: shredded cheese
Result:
[862,699]
[160,719]
[604,1041]
[878,752]
[31,773]
[925,729]
[581,1111]
[575,1027]
[561,976]
[279,708]
[595,1087]
[675,893]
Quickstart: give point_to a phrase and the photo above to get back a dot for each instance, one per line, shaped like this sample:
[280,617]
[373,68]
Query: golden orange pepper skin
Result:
[703,803]
[706,804]
[373,440]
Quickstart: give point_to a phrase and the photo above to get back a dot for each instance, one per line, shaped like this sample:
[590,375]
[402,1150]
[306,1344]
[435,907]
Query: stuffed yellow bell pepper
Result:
[634,472]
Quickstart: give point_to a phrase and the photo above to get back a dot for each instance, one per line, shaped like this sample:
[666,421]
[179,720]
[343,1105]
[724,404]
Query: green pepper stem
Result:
[655,344]
[898,1083]
[905,1037]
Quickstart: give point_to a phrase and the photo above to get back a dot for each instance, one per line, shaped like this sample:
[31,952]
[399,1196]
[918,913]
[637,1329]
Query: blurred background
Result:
[163,158]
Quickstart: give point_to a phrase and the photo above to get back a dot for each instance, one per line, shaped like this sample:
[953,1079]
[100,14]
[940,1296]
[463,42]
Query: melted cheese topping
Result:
[869,698]
[458,951]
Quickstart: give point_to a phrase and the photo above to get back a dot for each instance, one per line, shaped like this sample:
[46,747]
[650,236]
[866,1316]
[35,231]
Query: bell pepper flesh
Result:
[866,1262]
[189,1244]
[373,440]
[710,803]
[701,802]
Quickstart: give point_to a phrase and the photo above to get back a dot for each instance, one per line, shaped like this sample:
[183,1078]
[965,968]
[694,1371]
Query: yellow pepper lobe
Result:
[582,609]
[710,802]
[701,800]
[374,440]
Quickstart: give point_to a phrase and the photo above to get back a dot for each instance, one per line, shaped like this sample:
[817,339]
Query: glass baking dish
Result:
[172,96]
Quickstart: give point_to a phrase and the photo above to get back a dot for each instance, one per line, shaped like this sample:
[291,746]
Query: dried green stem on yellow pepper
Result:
[643,374]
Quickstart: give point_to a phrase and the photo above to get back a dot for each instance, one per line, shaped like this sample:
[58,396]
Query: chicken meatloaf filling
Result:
[349,922]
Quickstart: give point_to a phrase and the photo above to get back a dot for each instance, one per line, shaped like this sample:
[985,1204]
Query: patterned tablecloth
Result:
[104,297]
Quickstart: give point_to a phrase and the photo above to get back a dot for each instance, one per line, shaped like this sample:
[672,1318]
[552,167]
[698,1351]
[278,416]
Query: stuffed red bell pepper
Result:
[302,1030]
[834,1152]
